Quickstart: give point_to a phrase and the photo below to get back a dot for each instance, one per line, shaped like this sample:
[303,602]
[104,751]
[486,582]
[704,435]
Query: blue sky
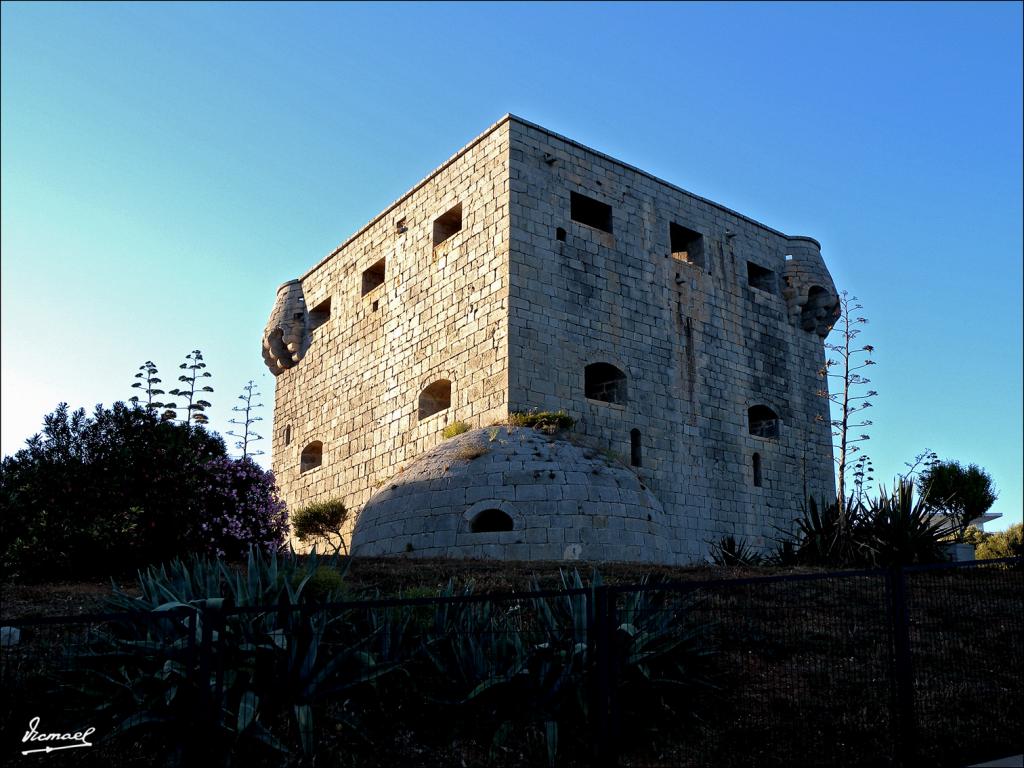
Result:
[165,167]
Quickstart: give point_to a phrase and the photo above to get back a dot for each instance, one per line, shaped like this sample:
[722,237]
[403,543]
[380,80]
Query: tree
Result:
[850,358]
[247,435]
[963,494]
[148,381]
[194,407]
[119,489]
[321,522]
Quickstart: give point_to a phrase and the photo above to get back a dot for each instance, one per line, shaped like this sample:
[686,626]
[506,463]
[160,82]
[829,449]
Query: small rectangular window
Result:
[761,278]
[447,225]
[320,314]
[591,212]
[686,244]
[373,277]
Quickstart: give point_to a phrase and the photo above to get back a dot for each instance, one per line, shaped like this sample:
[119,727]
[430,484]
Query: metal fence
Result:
[905,666]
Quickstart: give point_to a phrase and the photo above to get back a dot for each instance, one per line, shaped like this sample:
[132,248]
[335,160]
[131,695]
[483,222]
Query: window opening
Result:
[320,314]
[288,434]
[757,470]
[312,456]
[373,277]
[604,382]
[591,212]
[761,278]
[635,459]
[491,521]
[560,234]
[764,422]
[447,224]
[686,244]
[435,398]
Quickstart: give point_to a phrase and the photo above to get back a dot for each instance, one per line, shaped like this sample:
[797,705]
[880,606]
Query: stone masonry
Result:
[531,273]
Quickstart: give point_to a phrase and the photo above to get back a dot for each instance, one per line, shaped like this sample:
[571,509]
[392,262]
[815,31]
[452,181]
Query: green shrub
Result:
[545,421]
[1008,543]
[325,584]
[321,523]
[455,428]
[973,535]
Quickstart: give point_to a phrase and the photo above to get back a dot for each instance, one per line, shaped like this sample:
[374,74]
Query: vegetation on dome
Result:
[544,421]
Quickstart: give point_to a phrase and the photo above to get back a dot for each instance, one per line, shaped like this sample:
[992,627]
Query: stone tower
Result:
[529,272]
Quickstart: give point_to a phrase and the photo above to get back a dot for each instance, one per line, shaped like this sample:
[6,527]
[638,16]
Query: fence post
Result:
[212,614]
[899,622]
[598,713]
[611,624]
[602,706]
[203,661]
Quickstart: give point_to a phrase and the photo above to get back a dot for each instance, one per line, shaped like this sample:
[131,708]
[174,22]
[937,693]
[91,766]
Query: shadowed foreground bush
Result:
[123,489]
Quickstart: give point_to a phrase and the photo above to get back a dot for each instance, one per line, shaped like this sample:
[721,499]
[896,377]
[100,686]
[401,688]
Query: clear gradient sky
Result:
[166,167]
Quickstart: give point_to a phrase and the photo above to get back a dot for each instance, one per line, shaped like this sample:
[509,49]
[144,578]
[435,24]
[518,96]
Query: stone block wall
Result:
[702,338]
[498,280]
[440,313]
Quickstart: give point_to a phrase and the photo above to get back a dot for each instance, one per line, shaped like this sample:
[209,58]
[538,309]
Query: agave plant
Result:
[829,534]
[268,578]
[553,683]
[892,529]
[158,670]
[903,530]
[729,551]
[785,554]
[665,656]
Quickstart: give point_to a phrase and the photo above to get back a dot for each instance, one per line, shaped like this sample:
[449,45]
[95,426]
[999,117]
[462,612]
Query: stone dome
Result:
[516,494]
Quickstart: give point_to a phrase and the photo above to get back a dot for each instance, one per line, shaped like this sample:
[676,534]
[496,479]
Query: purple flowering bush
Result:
[240,506]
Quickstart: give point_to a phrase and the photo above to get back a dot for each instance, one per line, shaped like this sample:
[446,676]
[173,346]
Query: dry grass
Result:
[470,452]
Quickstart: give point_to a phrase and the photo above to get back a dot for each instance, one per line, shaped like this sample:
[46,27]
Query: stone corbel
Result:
[286,337]
[811,297]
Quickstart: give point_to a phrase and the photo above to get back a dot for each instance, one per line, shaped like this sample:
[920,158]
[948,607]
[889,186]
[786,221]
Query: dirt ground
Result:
[388,577]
